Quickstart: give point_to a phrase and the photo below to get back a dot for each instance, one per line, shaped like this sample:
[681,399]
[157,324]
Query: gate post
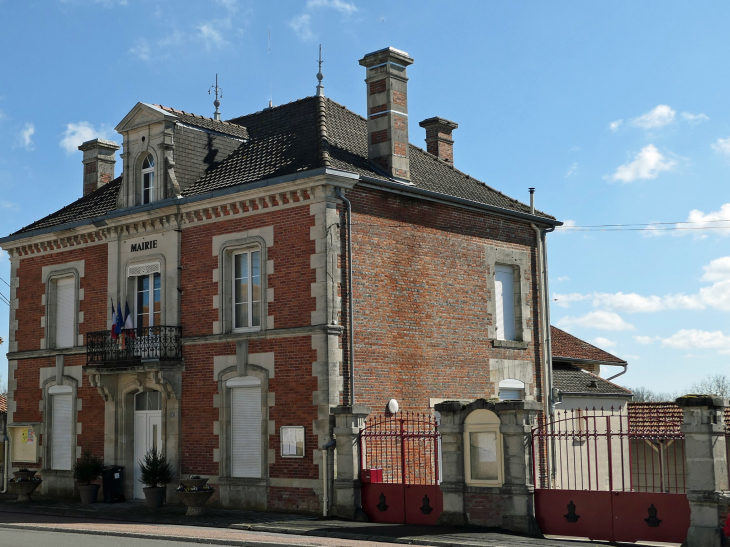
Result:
[348,422]
[451,428]
[518,418]
[706,475]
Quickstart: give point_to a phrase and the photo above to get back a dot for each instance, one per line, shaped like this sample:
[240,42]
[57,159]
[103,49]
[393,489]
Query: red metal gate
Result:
[400,468]
[605,475]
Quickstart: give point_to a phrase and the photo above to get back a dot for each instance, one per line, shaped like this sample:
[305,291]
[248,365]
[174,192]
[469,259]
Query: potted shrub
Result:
[24,484]
[193,493]
[87,469]
[155,472]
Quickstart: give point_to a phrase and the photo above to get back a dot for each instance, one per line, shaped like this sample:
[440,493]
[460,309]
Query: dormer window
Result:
[148,179]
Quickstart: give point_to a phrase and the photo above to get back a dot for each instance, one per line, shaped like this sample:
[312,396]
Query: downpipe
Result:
[326,478]
[6,462]
[619,374]
[351,342]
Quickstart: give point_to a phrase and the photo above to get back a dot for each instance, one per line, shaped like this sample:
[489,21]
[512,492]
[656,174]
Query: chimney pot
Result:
[438,137]
[98,163]
[387,99]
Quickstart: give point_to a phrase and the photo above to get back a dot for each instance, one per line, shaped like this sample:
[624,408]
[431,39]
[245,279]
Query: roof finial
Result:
[216,103]
[320,76]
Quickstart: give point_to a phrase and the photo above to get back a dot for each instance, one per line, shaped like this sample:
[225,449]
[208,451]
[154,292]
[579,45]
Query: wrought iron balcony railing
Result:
[159,343]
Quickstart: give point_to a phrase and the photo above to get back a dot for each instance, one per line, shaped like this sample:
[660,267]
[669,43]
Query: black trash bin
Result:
[113,481]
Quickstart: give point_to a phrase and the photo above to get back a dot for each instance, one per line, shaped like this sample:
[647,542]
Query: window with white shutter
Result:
[65,310]
[504,287]
[245,427]
[62,428]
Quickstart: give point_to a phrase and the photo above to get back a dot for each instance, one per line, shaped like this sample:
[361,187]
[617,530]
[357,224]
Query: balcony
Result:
[159,343]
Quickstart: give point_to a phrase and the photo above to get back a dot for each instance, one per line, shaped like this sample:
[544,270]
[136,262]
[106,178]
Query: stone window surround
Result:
[46,408]
[512,369]
[224,246]
[224,424]
[520,262]
[492,426]
[50,275]
[130,284]
[136,182]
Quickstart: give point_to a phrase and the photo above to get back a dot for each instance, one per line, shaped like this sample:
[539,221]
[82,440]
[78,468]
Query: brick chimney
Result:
[387,91]
[438,137]
[98,163]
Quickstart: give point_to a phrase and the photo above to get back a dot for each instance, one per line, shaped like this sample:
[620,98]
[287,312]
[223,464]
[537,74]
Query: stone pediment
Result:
[141,115]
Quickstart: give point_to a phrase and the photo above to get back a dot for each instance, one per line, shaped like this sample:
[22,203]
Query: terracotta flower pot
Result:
[23,489]
[154,496]
[193,483]
[194,501]
[88,492]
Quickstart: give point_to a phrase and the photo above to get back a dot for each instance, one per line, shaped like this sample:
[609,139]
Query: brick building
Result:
[276,266]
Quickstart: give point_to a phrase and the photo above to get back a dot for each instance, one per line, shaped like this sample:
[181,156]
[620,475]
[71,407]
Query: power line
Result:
[1,279]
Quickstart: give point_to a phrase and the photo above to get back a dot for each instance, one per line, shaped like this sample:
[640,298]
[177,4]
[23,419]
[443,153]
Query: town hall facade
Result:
[276,267]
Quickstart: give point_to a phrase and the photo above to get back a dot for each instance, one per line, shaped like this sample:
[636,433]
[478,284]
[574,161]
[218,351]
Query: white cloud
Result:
[8,205]
[565,227]
[613,126]
[346,8]
[571,170]
[602,342]
[717,295]
[80,132]
[647,164]
[141,50]
[700,339]
[700,220]
[228,4]
[562,278]
[301,26]
[25,137]
[601,320]
[722,146]
[635,303]
[694,119]
[212,33]
[646,340]
[564,300]
[657,117]
[717,270]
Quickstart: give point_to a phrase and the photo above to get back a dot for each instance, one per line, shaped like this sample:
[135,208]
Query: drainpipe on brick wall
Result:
[6,463]
[351,326]
[326,477]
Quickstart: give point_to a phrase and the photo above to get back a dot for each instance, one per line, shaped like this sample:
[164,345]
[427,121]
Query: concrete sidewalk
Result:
[229,527]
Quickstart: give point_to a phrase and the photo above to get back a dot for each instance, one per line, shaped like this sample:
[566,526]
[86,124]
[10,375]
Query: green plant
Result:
[155,470]
[87,468]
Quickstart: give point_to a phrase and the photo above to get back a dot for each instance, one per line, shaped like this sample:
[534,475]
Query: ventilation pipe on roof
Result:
[532,200]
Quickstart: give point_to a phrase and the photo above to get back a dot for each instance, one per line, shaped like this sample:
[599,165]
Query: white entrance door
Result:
[147,431]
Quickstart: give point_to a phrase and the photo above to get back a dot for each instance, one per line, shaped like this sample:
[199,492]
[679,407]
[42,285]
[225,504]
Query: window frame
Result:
[500,302]
[53,392]
[483,421]
[147,171]
[130,284]
[52,307]
[151,289]
[225,274]
[249,251]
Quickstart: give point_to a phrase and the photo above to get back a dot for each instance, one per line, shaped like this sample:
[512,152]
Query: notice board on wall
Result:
[292,441]
[23,443]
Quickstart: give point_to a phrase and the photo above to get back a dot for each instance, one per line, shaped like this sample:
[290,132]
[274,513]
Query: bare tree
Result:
[646,395]
[717,385]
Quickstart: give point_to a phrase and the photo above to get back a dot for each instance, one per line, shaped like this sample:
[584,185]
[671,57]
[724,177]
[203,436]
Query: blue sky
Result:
[618,113]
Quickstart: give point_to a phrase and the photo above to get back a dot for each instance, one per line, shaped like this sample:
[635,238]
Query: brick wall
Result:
[291,280]
[486,509]
[31,288]
[293,385]
[421,299]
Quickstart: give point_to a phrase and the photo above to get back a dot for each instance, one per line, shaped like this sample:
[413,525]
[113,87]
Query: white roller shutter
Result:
[65,312]
[504,287]
[62,432]
[246,432]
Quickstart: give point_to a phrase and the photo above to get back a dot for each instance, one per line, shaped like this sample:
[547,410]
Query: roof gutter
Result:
[589,361]
[626,366]
[592,394]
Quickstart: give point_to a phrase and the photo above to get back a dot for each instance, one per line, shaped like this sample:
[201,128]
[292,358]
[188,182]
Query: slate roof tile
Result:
[567,345]
[571,379]
[286,139]
[219,126]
